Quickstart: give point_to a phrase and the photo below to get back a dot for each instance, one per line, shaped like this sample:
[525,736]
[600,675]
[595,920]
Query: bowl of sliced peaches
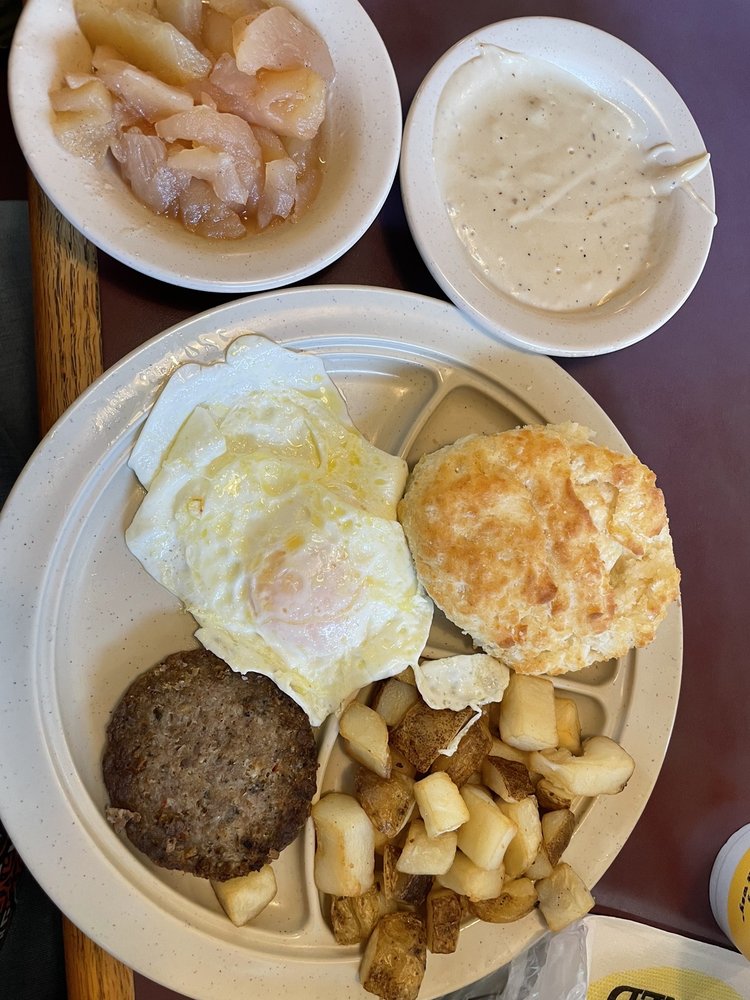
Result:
[225,145]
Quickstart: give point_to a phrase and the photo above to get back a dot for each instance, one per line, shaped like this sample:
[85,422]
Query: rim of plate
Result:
[48,808]
[362,134]
[620,73]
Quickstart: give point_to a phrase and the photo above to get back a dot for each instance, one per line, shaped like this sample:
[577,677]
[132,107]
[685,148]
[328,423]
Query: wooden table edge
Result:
[68,347]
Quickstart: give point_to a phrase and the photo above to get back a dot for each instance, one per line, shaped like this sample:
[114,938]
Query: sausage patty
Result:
[208,771]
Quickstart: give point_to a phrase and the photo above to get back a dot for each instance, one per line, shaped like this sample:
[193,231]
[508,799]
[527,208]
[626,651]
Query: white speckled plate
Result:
[363,140]
[79,619]
[624,76]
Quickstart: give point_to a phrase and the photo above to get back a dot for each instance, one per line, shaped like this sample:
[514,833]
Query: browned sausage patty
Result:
[208,771]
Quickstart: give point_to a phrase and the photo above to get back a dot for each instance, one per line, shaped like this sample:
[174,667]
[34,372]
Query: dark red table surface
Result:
[681,398]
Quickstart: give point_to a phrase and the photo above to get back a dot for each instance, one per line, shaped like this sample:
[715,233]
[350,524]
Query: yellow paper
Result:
[663,983]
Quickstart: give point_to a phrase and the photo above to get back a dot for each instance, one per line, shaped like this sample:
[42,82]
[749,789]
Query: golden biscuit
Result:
[551,552]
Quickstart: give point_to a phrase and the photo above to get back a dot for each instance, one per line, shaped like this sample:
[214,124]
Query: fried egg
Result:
[273,520]
[465,681]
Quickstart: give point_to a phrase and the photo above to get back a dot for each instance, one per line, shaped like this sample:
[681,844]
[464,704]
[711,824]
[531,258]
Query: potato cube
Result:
[407,676]
[563,897]
[380,840]
[507,752]
[549,796]
[468,879]
[393,699]
[400,765]
[603,767]
[491,715]
[486,834]
[354,917]
[425,732]
[395,958]
[244,897]
[518,897]
[470,752]
[425,855]
[524,847]
[527,713]
[541,866]
[403,886]
[366,737]
[507,778]
[568,724]
[387,801]
[345,846]
[443,912]
[440,804]
[557,829]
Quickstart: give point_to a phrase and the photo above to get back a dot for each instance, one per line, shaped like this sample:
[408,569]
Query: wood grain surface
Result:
[69,358]
[66,308]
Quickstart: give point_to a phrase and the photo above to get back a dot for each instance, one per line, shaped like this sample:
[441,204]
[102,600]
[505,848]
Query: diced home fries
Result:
[366,735]
[243,898]
[476,834]
[213,111]
[345,846]
[428,840]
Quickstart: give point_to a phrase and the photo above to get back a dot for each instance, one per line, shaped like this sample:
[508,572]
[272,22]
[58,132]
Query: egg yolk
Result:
[306,594]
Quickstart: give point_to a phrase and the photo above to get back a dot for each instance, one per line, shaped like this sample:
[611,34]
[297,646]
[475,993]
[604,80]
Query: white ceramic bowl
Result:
[363,133]
[622,75]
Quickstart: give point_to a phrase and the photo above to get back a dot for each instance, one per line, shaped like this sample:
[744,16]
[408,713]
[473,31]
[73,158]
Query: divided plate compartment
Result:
[87,619]
[405,404]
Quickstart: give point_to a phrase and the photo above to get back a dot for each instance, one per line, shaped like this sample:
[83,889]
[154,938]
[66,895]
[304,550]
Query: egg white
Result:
[465,681]
[273,519]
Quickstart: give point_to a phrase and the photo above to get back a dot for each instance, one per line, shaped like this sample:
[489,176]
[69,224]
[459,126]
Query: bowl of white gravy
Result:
[557,186]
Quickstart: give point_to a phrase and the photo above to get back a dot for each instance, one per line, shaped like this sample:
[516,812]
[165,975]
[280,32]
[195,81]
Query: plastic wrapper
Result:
[554,968]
